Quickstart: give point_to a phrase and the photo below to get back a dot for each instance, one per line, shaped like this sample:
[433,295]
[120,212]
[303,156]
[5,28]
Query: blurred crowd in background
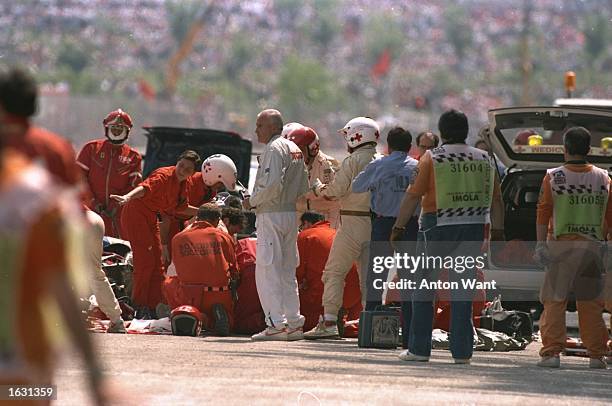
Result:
[319,61]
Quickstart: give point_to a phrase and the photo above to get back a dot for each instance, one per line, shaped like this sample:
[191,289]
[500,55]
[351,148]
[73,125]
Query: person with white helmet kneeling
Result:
[361,135]
[218,173]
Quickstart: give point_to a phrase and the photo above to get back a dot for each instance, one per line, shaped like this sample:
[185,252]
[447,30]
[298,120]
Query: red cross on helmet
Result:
[305,137]
[117,125]
[360,130]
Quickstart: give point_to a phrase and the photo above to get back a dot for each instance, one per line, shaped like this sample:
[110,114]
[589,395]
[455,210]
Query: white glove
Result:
[316,187]
[542,254]
[171,270]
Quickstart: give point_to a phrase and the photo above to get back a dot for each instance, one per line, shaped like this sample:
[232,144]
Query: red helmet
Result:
[117,118]
[522,138]
[305,137]
[186,321]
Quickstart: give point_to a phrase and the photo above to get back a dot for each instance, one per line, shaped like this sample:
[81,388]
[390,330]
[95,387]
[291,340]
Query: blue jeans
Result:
[443,241]
[381,232]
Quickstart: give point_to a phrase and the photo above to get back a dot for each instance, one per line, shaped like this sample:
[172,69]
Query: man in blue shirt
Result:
[387,179]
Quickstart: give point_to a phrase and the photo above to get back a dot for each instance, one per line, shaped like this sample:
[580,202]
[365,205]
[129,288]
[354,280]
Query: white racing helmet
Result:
[360,130]
[219,168]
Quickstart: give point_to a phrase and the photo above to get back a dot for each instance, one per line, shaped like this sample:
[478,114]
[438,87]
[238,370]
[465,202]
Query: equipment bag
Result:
[510,322]
[379,328]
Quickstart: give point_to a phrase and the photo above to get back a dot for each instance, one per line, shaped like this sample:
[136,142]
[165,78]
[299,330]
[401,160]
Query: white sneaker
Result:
[462,361]
[598,363]
[549,362]
[408,356]
[323,330]
[294,334]
[270,334]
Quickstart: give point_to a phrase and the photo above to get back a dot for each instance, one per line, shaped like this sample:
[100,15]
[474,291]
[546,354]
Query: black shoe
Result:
[144,313]
[139,312]
[340,322]
[222,326]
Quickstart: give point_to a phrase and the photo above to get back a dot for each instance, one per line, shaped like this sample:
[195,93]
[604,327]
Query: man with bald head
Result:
[281,178]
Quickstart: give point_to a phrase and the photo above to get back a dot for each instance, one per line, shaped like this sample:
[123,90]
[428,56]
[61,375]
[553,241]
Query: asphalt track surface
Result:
[168,370]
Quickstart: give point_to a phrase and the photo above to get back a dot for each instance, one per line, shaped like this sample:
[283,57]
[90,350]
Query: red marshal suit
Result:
[197,194]
[110,170]
[205,258]
[314,245]
[250,318]
[163,192]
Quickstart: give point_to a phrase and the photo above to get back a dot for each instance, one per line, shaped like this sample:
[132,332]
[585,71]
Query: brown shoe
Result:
[117,327]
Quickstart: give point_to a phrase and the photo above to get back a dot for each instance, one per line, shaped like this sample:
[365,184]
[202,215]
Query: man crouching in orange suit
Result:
[205,262]
[314,243]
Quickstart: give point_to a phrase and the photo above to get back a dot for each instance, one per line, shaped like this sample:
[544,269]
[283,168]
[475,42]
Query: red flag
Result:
[381,67]
[145,88]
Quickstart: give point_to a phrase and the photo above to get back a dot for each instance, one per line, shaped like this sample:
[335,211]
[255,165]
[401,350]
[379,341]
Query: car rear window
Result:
[540,133]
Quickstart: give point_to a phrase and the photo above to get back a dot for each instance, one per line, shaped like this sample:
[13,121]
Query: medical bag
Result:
[379,328]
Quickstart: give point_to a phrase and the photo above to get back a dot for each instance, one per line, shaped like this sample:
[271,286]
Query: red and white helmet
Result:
[305,137]
[186,321]
[360,130]
[117,125]
[219,168]
[522,138]
[287,128]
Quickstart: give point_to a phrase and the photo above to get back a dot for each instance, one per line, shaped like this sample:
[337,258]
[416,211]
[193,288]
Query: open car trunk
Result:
[520,192]
[511,129]
[528,141]
[512,260]
[165,144]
